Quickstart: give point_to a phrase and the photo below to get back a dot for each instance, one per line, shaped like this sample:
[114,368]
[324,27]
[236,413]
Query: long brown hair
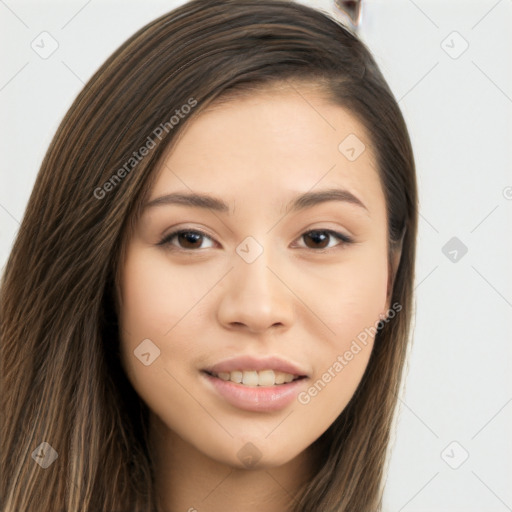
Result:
[62,383]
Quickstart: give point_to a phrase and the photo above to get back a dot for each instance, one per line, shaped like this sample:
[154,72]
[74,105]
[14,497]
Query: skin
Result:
[203,304]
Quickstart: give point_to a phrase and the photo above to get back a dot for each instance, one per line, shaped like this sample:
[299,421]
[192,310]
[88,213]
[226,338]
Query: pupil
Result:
[190,238]
[318,236]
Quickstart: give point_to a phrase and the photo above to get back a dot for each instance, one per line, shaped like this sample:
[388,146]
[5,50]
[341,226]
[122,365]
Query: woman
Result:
[208,302]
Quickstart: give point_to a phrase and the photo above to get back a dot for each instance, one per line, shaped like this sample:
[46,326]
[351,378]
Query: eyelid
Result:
[166,239]
[343,239]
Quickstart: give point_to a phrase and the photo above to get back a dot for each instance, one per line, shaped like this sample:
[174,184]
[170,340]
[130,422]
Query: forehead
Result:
[272,144]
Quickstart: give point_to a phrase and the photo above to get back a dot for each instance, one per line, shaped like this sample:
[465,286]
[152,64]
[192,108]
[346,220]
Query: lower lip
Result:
[256,398]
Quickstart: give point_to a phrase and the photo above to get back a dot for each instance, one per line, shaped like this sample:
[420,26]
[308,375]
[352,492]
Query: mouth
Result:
[258,384]
[263,391]
[253,378]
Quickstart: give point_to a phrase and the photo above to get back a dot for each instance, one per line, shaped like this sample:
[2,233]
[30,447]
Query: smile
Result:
[254,378]
[256,395]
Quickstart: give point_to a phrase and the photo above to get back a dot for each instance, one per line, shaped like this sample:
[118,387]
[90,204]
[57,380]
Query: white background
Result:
[459,113]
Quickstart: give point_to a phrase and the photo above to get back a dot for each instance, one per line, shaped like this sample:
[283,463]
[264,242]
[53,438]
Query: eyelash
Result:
[344,239]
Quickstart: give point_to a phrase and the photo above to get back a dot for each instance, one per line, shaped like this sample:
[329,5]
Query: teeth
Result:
[250,379]
[288,377]
[253,378]
[266,378]
[280,376]
[236,376]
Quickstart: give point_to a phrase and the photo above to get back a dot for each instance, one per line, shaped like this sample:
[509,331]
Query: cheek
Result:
[154,302]
[157,336]
[360,294]
[357,296]
[155,296]
[350,296]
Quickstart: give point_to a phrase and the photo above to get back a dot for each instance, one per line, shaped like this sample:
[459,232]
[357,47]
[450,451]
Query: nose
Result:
[255,297]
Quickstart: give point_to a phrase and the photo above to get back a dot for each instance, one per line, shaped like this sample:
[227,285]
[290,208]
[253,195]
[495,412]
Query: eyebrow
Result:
[301,202]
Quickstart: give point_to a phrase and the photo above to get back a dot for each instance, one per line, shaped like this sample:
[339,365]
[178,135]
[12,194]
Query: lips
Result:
[262,399]
[266,384]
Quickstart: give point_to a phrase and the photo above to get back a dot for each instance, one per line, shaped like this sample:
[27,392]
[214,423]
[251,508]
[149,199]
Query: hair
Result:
[62,381]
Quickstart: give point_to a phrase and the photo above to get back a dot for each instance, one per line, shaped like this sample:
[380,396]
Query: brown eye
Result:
[320,238]
[187,239]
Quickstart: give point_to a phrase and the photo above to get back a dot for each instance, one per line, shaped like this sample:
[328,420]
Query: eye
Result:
[316,239]
[187,238]
[319,239]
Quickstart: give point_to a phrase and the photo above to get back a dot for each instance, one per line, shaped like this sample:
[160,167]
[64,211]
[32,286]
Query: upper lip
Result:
[250,363]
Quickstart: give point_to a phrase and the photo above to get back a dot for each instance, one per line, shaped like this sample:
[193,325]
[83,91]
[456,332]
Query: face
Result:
[224,301]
